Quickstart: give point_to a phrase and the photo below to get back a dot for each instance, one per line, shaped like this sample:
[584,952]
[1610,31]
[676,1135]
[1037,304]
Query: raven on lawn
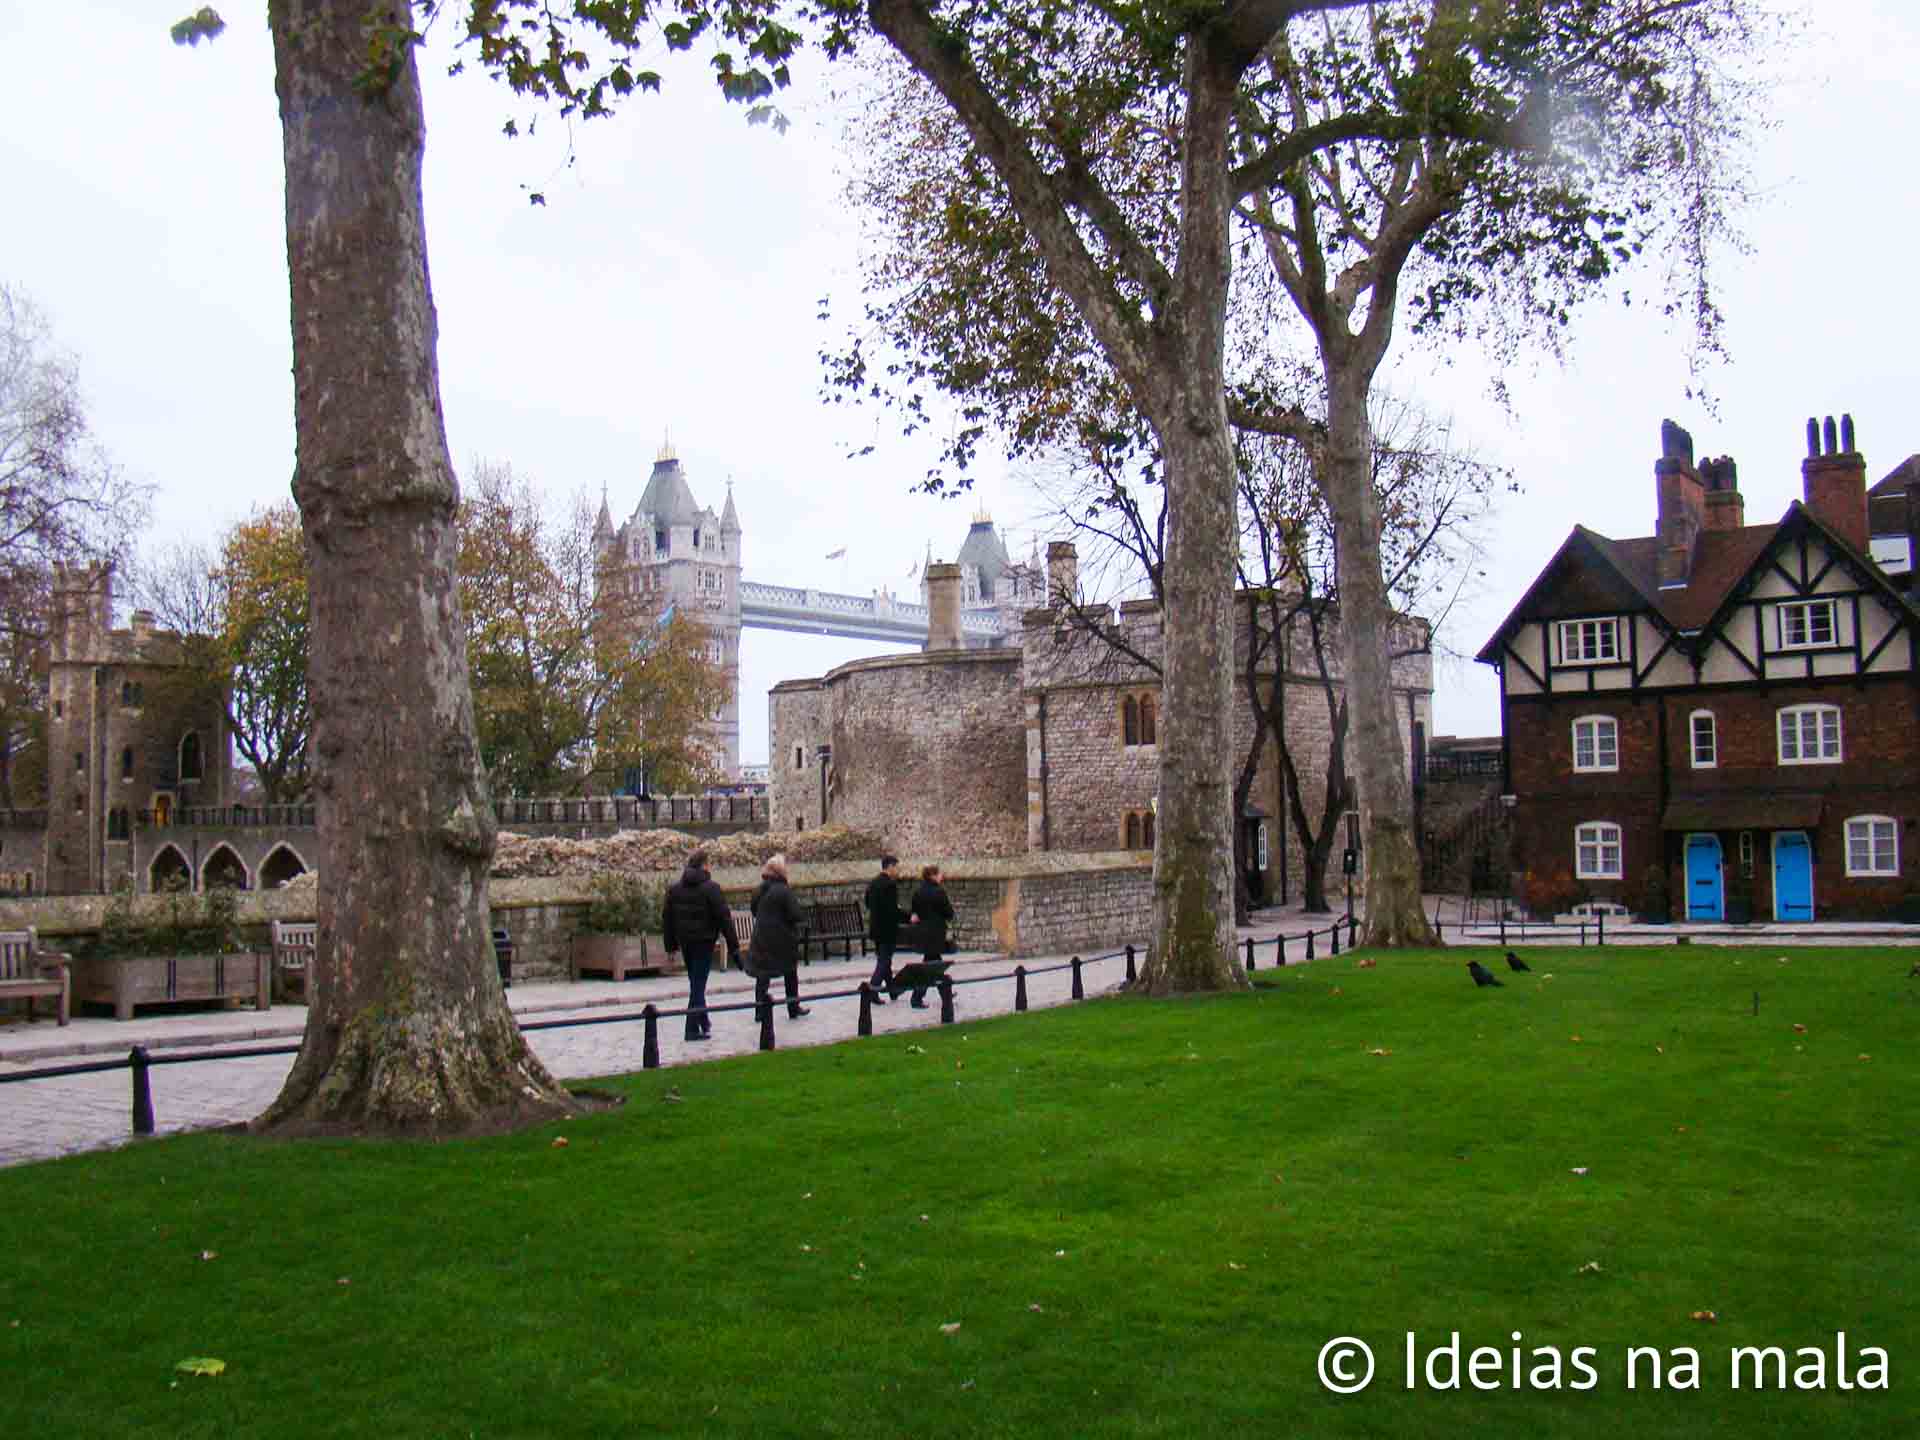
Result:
[1482,976]
[1514,962]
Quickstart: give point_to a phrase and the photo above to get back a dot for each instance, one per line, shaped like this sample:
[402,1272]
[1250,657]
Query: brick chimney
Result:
[1834,475]
[943,607]
[1726,510]
[1683,504]
[1063,572]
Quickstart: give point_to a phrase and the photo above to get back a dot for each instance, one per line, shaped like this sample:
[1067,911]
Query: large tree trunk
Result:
[1374,742]
[1193,871]
[408,1030]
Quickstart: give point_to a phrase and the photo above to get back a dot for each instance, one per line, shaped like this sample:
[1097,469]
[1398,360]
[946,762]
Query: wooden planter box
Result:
[618,956]
[152,980]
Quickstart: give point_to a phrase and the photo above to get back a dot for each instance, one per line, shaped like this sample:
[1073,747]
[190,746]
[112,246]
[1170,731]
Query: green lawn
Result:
[1146,1218]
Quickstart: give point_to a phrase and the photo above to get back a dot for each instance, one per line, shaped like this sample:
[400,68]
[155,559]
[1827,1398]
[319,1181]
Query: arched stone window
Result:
[281,866]
[126,763]
[1129,721]
[169,871]
[1146,721]
[1133,831]
[223,870]
[190,755]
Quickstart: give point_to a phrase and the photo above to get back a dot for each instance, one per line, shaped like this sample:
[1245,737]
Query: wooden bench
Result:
[743,931]
[29,973]
[834,922]
[293,947]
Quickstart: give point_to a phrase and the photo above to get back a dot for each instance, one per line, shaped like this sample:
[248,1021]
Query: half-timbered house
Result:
[1724,714]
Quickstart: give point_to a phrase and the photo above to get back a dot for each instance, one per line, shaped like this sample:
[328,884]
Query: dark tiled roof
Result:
[1897,480]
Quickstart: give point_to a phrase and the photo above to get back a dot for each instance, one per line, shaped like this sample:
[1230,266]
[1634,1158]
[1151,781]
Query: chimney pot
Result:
[1833,443]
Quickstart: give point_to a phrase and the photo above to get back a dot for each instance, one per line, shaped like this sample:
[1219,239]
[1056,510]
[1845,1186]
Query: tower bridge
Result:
[690,556]
[856,617]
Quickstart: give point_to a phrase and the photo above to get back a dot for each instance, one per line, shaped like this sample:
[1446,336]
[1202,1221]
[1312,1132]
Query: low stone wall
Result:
[1016,905]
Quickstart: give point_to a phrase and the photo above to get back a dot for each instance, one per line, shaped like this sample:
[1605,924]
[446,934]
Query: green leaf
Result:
[202,1365]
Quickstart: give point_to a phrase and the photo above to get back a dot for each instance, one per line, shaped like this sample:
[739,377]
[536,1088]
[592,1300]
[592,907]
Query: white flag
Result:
[836,554]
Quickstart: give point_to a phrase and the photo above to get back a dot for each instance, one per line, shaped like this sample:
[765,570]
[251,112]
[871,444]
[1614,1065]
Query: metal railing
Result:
[141,1062]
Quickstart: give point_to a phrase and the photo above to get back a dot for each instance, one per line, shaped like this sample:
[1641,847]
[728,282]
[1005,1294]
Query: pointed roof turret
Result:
[729,517]
[603,523]
[667,497]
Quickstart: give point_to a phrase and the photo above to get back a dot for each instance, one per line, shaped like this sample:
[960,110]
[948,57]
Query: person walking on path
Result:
[934,911]
[883,923]
[775,947]
[694,919]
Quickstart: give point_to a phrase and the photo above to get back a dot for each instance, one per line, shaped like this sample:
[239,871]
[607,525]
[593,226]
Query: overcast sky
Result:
[671,284]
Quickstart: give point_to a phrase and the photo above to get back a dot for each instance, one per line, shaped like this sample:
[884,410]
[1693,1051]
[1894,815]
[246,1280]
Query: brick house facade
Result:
[1728,714]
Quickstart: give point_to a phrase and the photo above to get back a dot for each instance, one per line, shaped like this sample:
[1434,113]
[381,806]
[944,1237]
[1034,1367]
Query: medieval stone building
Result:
[132,735]
[1049,743]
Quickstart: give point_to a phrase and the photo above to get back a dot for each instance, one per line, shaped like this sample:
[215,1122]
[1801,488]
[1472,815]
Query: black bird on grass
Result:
[1514,962]
[1482,976]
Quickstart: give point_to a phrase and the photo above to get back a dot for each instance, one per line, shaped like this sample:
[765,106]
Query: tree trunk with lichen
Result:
[408,1030]
[1375,744]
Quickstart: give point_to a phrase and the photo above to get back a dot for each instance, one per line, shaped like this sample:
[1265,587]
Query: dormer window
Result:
[660,541]
[1588,642]
[696,539]
[1807,625]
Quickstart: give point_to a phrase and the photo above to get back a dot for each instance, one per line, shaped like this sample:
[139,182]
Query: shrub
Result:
[189,924]
[623,904]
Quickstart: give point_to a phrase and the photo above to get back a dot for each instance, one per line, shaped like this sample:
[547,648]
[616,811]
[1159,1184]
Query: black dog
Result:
[919,977]
[1514,962]
[1482,976]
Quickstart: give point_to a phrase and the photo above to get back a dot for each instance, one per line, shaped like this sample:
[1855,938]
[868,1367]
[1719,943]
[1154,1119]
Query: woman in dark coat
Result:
[934,911]
[775,947]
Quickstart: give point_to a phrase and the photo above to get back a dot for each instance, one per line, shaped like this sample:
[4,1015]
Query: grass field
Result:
[1145,1219]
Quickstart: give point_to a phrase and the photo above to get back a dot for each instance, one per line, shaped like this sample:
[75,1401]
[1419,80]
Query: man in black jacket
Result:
[883,923]
[694,918]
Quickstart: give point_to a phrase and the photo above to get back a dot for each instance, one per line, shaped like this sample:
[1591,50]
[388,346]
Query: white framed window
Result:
[1810,735]
[1596,851]
[1873,845]
[1588,642]
[1596,743]
[1704,740]
[1807,625]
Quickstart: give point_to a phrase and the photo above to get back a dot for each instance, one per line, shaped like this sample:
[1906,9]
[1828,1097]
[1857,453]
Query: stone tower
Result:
[130,731]
[691,558]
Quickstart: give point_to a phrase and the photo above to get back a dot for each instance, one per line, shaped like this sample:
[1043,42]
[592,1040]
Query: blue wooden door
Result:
[1792,876]
[1704,893]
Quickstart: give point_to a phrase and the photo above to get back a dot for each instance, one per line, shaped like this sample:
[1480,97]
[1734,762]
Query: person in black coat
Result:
[693,919]
[883,922]
[775,947]
[933,910]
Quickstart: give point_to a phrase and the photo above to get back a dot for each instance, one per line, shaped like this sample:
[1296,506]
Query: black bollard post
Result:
[1335,933]
[1079,991]
[1280,951]
[866,1008]
[1132,974]
[1503,924]
[142,1092]
[946,1001]
[1309,944]
[1600,936]
[1249,952]
[650,1047]
[1583,933]
[766,1025]
[1353,931]
[1019,987]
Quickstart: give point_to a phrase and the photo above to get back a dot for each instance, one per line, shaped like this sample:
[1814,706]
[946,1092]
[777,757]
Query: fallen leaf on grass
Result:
[559,1143]
[950,1328]
[1705,1316]
[1034,1308]
[916,1050]
[201,1365]
[1059,1254]
[1866,1057]
[1334,991]
[343,1280]
[806,1249]
[673,1096]
[1574,1038]
[1235,1265]
[1379,1052]
[209,1254]
[1592,1267]
[923,1219]
[1365,964]
[1799,1029]
[1579,1170]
